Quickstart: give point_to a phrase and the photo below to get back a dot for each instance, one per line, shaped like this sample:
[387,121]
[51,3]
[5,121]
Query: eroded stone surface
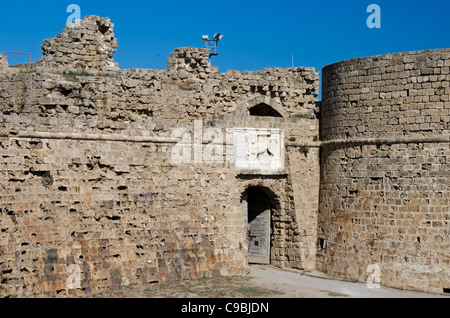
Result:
[90,194]
[387,203]
[116,177]
[85,44]
[3,61]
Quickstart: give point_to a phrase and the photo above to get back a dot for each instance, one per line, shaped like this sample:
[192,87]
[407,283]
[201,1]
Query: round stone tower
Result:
[385,189]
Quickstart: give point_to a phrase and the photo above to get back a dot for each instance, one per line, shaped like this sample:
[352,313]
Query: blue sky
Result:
[258,34]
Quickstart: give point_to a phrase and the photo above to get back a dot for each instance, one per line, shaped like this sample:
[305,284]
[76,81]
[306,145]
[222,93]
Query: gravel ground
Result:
[264,282]
[299,284]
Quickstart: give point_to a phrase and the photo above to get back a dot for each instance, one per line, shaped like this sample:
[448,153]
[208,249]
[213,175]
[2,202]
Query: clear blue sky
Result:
[258,33]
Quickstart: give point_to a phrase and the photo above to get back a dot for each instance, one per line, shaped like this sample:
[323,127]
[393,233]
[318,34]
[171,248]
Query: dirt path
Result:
[264,282]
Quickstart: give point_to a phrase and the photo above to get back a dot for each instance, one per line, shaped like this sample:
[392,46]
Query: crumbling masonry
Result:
[116,177]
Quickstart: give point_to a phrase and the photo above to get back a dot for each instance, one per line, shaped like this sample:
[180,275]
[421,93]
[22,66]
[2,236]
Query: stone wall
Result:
[189,62]
[111,214]
[135,95]
[402,94]
[84,44]
[3,61]
[91,198]
[385,172]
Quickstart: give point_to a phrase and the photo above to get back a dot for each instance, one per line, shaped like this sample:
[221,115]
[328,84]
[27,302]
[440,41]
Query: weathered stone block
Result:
[3,61]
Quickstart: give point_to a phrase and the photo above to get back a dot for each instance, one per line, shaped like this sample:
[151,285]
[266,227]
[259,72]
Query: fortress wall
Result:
[90,195]
[116,212]
[112,214]
[153,95]
[294,223]
[385,174]
[91,198]
[304,178]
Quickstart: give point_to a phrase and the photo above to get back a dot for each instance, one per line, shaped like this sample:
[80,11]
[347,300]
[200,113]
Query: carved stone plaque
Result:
[259,149]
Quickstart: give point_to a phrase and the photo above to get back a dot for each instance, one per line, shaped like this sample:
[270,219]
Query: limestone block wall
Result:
[78,216]
[3,61]
[62,188]
[294,191]
[385,196]
[189,62]
[139,95]
[91,198]
[85,44]
[401,94]
[108,206]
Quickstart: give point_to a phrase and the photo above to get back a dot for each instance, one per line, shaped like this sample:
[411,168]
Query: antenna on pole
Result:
[212,45]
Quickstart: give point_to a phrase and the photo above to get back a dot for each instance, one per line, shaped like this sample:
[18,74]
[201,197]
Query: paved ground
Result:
[264,282]
[301,285]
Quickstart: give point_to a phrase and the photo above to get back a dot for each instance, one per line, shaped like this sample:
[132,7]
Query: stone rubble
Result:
[87,44]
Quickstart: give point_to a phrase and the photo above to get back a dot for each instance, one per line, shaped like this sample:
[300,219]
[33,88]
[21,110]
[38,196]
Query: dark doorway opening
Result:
[259,226]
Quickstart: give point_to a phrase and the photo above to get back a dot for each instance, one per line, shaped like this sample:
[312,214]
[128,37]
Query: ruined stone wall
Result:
[84,44]
[139,95]
[3,61]
[189,62]
[91,198]
[385,169]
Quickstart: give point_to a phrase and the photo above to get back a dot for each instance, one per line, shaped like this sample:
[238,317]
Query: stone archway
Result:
[261,106]
[264,110]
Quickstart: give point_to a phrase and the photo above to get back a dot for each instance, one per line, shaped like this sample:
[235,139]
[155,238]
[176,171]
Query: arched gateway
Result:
[257,207]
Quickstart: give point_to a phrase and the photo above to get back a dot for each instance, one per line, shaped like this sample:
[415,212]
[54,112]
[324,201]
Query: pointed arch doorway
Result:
[257,205]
